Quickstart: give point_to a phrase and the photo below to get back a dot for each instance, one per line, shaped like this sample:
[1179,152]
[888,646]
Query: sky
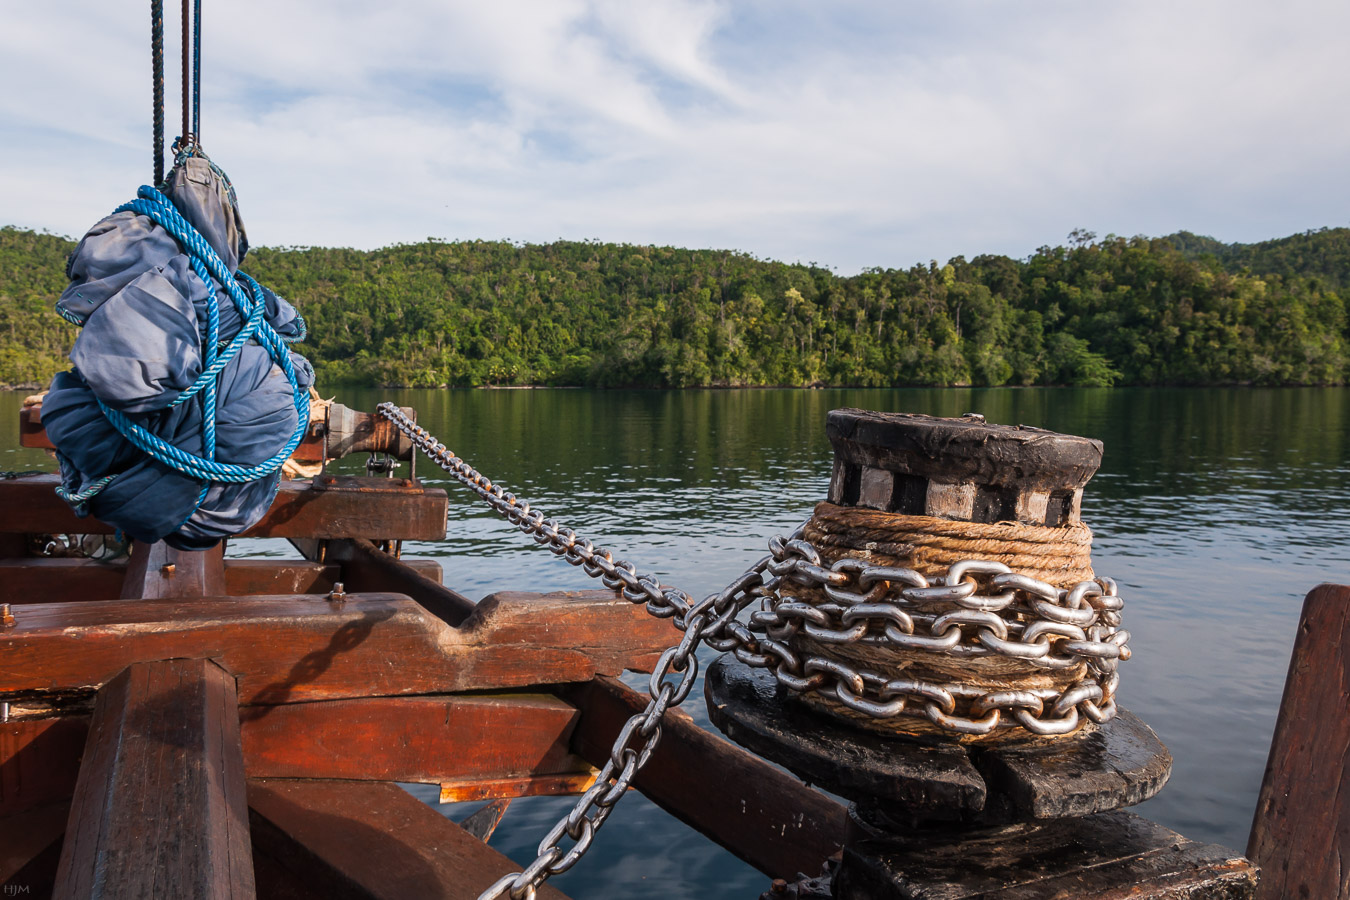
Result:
[847,134]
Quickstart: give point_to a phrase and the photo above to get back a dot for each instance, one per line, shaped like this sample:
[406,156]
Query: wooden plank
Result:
[352,432]
[372,840]
[476,789]
[38,877]
[758,812]
[31,432]
[295,648]
[301,576]
[38,760]
[1106,856]
[278,576]
[57,580]
[70,579]
[477,747]
[159,806]
[1301,833]
[342,506]
[614,633]
[159,572]
[25,836]
[380,508]
[364,568]
[413,739]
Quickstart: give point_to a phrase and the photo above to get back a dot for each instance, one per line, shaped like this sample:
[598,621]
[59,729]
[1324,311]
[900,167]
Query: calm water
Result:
[1216,510]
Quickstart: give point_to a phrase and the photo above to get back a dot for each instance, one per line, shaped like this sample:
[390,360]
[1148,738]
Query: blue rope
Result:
[70,317]
[252,305]
[79,499]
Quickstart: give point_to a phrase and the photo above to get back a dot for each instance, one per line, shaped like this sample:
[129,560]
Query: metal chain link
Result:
[708,621]
[978,608]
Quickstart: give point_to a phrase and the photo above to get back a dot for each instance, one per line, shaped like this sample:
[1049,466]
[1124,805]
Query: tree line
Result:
[1182,309]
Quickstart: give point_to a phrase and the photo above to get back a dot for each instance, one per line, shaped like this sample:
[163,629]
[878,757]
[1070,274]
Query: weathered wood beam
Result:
[330,507]
[37,878]
[476,747]
[244,577]
[758,812]
[1106,856]
[1301,833]
[70,579]
[371,840]
[38,760]
[413,739]
[613,632]
[365,568]
[159,807]
[59,580]
[292,649]
[336,506]
[160,572]
[25,836]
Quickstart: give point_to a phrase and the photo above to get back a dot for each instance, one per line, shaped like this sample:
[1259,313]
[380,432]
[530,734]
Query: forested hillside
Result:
[1176,310]
[1324,253]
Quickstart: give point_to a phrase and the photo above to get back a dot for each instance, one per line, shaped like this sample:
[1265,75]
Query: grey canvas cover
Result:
[144,311]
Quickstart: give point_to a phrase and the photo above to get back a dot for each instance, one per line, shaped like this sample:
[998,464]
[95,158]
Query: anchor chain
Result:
[706,621]
[977,608]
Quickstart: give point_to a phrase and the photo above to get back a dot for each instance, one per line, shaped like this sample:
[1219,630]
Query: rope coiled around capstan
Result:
[1060,556]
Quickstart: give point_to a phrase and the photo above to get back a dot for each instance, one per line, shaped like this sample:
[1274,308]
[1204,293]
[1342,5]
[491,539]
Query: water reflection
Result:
[1216,509]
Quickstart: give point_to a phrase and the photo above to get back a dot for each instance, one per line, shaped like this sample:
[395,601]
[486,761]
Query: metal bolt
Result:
[166,569]
[338,593]
[779,886]
[6,617]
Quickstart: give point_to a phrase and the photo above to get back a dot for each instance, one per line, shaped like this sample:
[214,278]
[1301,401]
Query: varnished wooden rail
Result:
[29,580]
[335,507]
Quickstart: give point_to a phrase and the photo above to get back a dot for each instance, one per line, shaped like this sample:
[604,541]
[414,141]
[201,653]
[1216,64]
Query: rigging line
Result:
[187,68]
[157,85]
[197,70]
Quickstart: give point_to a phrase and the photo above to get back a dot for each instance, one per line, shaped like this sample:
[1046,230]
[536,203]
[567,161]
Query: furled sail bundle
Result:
[185,398]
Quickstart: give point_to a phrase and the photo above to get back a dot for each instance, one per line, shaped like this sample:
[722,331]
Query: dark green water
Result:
[1215,509]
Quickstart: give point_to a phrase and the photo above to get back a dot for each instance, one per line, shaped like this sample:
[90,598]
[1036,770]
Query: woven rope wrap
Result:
[1058,556]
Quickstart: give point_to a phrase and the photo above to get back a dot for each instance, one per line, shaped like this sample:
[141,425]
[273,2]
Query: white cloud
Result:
[851,134]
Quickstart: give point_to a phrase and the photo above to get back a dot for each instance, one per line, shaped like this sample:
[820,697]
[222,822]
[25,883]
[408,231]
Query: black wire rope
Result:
[157,85]
[197,69]
[187,71]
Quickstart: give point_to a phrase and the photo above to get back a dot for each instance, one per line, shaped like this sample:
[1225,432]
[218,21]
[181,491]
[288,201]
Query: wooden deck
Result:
[190,725]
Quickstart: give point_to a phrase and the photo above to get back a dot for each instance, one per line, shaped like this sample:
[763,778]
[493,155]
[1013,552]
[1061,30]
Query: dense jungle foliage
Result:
[1184,309]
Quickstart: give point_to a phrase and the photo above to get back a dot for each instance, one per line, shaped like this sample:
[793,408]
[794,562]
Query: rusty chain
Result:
[978,608]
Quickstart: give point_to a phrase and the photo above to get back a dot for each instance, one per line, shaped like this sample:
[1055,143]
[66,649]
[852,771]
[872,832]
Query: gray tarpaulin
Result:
[144,310]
